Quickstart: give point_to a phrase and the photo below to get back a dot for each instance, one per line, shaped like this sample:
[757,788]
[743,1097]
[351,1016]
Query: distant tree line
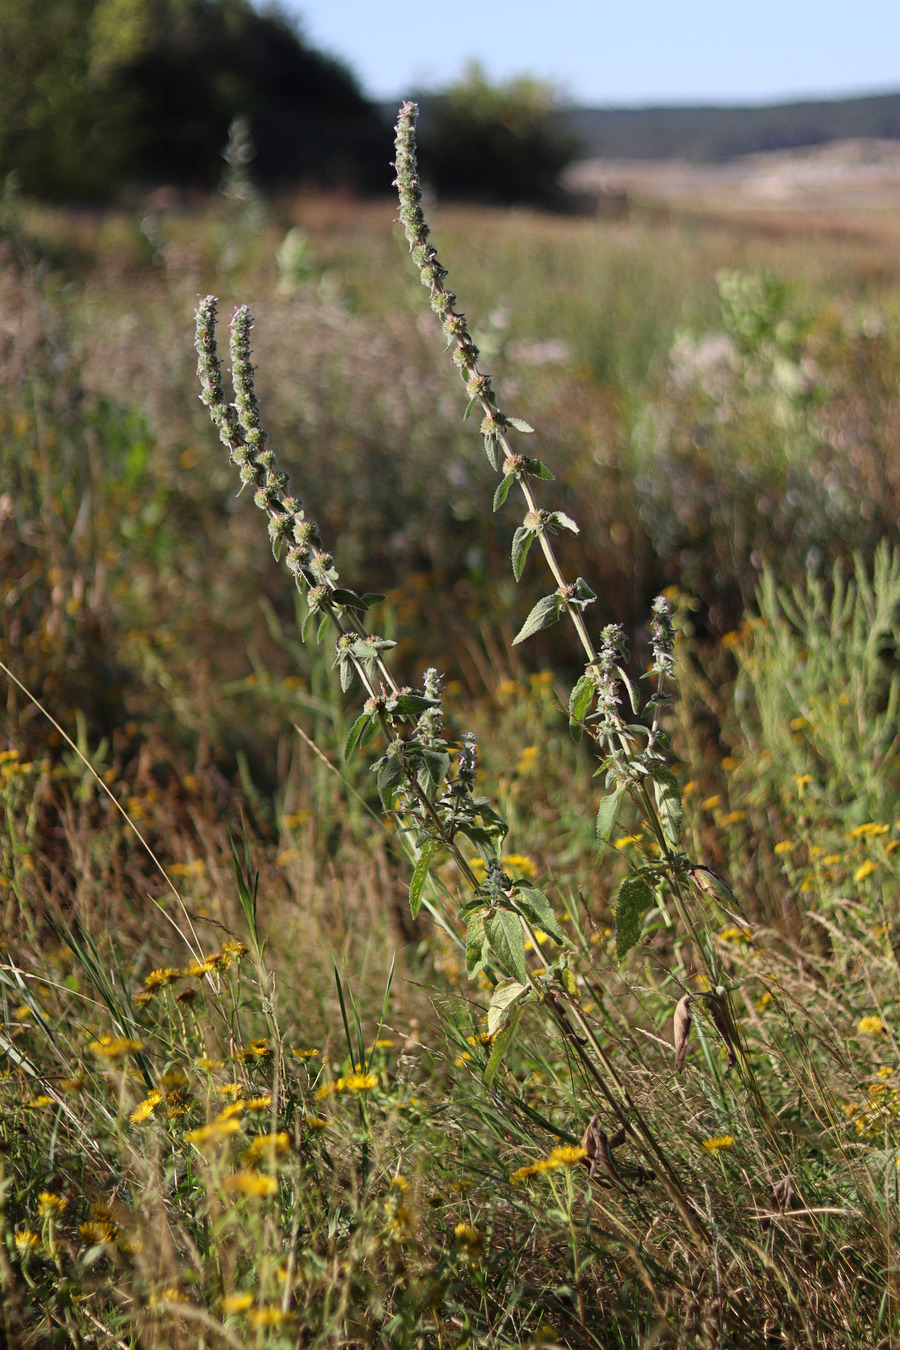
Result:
[98,95]
[710,135]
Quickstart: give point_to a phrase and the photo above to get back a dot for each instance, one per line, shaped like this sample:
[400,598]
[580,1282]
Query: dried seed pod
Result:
[682,1028]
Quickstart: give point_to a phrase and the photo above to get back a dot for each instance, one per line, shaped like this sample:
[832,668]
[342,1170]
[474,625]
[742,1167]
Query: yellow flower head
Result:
[108,1047]
[144,1110]
[267,1146]
[236,1303]
[567,1156]
[50,1206]
[718,1142]
[871,1026]
[27,1240]
[250,1182]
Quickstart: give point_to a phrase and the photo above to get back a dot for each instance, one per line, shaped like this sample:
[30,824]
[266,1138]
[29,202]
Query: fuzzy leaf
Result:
[490,448]
[606,819]
[522,541]
[560,518]
[346,671]
[580,701]
[307,623]
[354,735]
[668,803]
[635,898]
[544,615]
[519,424]
[390,776]
[414,703]
[435,765]
[469,406]
[536,907]
[502,492]
[339,596]
[538,470]
[501,1044]
[476,955]
[502,1000]
[504,933]
[417,880]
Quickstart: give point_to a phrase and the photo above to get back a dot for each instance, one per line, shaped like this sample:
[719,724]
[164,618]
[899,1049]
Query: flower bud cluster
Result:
[613,652]
[662,638]
[430,725]
[241,430]
[431,273]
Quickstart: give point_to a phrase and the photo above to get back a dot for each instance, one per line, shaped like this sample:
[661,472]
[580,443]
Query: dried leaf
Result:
[599,1154]
[682,1028]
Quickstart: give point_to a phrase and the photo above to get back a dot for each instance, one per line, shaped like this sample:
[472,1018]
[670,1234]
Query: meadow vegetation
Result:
[265,1080]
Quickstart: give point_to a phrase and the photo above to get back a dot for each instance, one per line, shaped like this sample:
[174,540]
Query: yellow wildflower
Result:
[210,1134]
[144,1110]
[158,979]
[27,1240]
[567,1155]
[784,846]
[108,1047]
[871,1026]
[304,1054]
[250,1182]
[236,1303]
[870,828]
[711,802]
[864,870]
[50,1206]
[718,1141]
[267,1145]
[95,1233]
[733,818]
[267,1316]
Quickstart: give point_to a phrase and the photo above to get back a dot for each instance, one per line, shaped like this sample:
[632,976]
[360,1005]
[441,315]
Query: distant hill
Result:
[709,135]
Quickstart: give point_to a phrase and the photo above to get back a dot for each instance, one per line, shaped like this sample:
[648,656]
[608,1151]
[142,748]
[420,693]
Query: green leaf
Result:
[560,518]
[502,492]
[536,907]
[435,766]
[469,406]
[475,942]
[519,424]
[580,701]
[606,819]
[538,470]
[322,628]
[502,1000]
[307,622]
[414,703]
[504,933]
[339,596]
[635,898]
[390,777]
[354,735]
[417,880]
[668,803]
[501,1044]
[522,541]
[545,613]
[490,448]
[346,671]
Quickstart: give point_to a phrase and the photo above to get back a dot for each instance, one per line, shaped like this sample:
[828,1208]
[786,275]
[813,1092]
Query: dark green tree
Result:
[500,143]
[99,95]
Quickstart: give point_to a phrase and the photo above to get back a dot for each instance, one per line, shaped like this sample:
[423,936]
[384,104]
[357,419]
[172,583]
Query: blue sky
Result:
[618,51]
